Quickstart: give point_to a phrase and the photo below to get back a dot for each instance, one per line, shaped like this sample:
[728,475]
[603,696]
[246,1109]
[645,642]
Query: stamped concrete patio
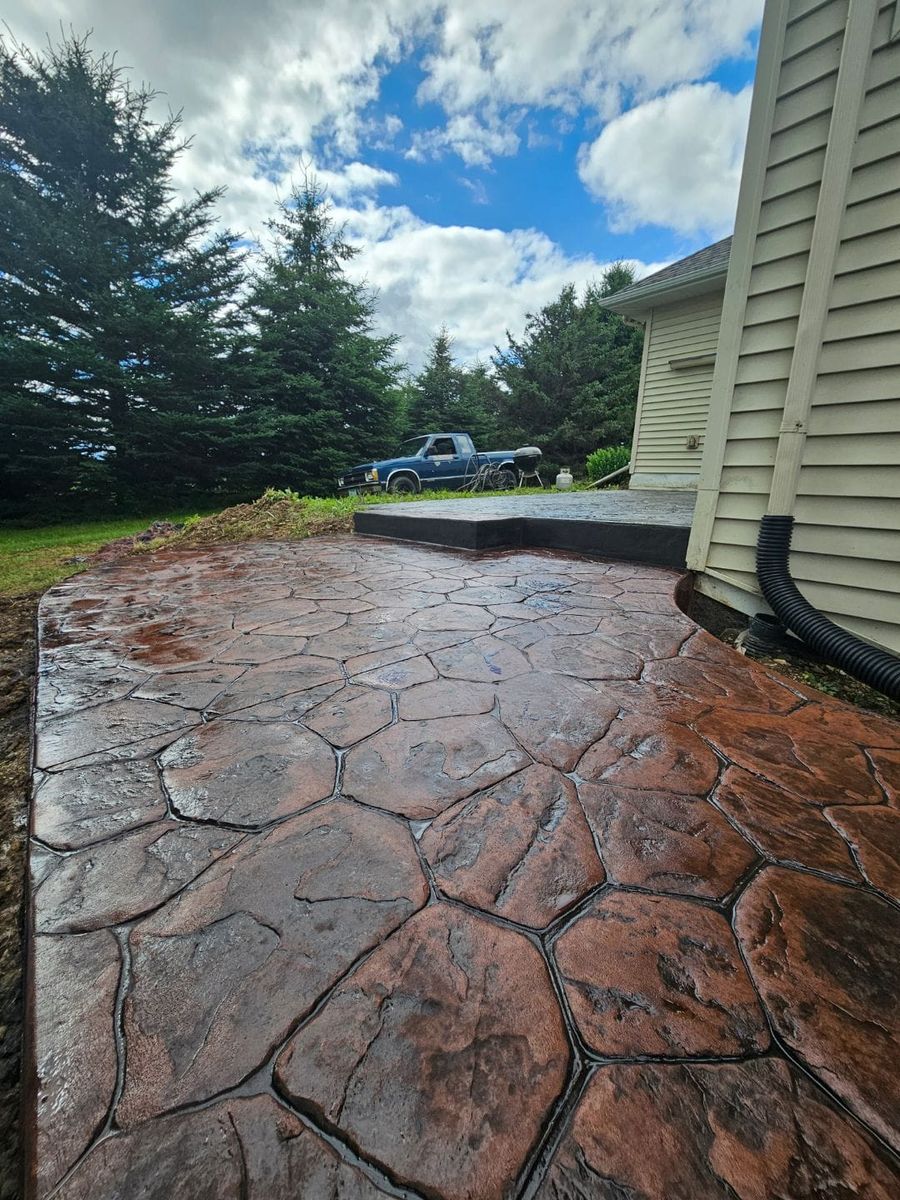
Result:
[366,870]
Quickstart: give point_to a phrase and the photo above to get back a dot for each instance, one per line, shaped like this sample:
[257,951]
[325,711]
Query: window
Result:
[441,446]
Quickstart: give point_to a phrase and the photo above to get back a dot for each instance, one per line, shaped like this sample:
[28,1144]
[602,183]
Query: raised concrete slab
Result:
[640,526]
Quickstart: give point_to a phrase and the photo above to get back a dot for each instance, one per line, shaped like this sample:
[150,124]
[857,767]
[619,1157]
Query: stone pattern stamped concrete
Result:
[367,870]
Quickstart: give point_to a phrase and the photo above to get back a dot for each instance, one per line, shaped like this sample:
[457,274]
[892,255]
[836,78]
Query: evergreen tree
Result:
[618,275]
[570,383]
[408,394]
[437,394]
[480,401]
[326,389]
[452,398]
[116,312]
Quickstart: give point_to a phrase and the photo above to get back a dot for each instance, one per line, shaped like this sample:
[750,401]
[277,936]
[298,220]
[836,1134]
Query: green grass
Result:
[284,515]
[31,560]
[443,494]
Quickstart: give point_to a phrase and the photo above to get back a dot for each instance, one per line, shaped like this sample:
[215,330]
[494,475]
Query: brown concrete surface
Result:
[363,869]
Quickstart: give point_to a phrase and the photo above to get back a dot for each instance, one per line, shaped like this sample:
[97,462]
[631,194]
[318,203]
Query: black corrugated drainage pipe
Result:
[873,666]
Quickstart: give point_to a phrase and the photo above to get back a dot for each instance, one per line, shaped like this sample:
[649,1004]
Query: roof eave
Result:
[667,291]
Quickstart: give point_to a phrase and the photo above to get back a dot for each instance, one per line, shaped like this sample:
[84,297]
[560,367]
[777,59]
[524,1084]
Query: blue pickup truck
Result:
[434,460]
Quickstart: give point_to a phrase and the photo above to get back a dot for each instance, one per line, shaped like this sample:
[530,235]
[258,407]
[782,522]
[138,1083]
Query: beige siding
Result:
[674,402]
[846,548]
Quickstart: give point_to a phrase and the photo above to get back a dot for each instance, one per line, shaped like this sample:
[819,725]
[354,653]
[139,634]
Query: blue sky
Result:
[537,186]
[481,152]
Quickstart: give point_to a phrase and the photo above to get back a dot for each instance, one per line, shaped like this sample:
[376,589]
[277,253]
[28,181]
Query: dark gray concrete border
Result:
[658,545]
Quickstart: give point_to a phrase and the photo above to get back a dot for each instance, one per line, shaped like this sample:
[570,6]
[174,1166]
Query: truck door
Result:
[445,464]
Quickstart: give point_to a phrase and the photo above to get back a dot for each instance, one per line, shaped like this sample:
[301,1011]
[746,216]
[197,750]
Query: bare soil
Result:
[124,545]
[824,678]
[17,657]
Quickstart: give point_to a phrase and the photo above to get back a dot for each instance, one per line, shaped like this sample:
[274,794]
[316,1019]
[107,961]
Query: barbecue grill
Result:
[527,460]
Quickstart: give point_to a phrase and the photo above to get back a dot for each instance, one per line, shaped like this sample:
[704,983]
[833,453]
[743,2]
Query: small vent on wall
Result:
[692,362]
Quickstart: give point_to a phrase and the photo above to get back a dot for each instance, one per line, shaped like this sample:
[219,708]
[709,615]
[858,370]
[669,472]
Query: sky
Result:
[481,154]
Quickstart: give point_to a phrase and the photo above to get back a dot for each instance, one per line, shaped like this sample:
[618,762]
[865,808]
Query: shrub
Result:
[549,471]
[275,495]
[606,460]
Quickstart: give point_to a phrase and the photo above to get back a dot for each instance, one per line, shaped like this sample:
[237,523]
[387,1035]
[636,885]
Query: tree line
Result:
[149,359]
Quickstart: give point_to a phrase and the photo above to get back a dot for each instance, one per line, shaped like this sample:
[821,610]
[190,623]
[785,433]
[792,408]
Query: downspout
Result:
[642,384]
[737,283]
[611,476]
[872,665]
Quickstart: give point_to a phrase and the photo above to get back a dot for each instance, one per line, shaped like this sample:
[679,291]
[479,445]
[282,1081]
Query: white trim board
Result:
[650,479]
[737,286]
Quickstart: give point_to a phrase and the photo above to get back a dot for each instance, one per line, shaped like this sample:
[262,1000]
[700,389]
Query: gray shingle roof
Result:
[712,260]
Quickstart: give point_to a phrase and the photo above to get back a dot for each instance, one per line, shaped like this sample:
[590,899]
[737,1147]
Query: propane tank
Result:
[564,480]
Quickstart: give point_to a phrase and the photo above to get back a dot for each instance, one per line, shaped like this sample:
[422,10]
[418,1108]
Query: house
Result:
[680,308]
[804,395]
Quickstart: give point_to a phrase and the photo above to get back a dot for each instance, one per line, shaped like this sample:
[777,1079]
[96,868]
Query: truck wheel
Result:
[402,485]
[506,479]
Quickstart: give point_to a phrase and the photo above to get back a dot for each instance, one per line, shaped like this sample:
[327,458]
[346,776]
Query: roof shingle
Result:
[709,260]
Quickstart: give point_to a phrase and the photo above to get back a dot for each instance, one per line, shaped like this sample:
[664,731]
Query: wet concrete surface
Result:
[659,507]
[362,869]
[643,525]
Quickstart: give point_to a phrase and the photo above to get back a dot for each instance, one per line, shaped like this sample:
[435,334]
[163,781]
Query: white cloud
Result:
[673,161]
[476,139]
[270,86]
[280,73]
[477,282]
[476,189]
[355,179]
[575,54]
[274,76]
[495,59]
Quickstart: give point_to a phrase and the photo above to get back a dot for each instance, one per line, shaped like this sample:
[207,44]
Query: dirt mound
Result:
[124,545]
[118,547]
[275,516]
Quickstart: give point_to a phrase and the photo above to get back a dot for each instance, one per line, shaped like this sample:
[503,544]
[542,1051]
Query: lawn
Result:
[283,515]
[31,560]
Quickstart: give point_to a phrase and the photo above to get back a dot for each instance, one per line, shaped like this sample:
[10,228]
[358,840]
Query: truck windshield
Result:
[411,447]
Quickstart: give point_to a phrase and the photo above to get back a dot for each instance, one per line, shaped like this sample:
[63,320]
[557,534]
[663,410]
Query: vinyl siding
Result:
[846,546]
[674,402]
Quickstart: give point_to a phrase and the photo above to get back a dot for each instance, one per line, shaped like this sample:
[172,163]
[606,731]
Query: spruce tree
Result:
[115,299]
[326,389]
[438,390]
[448,397]
[570,382]
[480,404]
